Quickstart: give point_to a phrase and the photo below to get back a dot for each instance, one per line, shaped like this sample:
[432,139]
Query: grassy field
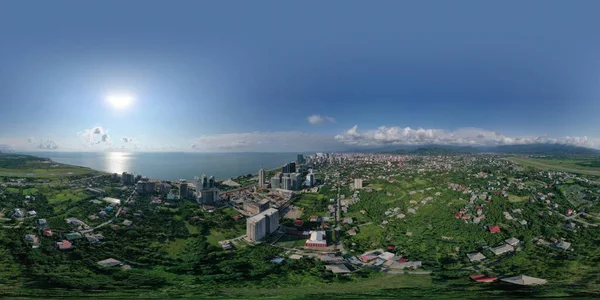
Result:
[515,198]
[573,165]
[174,247]
[65,195]
[352,289]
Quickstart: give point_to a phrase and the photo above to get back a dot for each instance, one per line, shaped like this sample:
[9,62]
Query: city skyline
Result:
[217,79]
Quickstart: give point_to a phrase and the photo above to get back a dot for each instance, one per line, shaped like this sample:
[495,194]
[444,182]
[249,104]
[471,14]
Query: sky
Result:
[213,76]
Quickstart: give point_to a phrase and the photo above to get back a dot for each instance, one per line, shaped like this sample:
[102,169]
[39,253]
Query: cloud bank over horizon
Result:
[395,135]
[97,139]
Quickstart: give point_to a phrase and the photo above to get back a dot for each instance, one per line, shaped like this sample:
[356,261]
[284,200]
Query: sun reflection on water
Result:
[117,162]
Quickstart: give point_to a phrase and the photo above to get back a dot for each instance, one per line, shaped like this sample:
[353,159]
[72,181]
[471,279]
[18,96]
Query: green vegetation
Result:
[579,165]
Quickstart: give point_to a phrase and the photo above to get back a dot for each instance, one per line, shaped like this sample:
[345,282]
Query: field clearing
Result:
[515,198]
[216,236]
[291,241]
[191,228]
[65,195]
[567,165]
[173,248]
[378,283]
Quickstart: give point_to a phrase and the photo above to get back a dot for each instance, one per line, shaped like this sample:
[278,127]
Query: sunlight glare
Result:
[120,101]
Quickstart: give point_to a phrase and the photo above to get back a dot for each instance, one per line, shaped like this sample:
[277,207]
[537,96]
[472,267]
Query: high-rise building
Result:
[256,228]
[183,189]
[204,182]
[256,207]
[262,224]
[286,182]
[165,188]
[261,177]
[300,159]
[292,167]
[310,179]
[296,181]
[275,182]
[358,183]
[206,191]
[128,178]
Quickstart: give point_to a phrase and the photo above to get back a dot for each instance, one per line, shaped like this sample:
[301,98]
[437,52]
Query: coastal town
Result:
[478,219]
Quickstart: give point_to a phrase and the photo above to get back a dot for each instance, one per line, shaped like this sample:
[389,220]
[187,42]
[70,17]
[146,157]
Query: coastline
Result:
[171,166]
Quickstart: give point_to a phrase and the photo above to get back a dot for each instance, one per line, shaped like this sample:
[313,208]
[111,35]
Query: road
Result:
[578,220]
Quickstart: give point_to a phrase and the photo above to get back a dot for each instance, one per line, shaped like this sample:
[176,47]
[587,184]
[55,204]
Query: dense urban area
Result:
[419,224]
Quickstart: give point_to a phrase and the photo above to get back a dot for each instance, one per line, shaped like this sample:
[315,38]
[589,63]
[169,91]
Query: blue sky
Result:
[248,75]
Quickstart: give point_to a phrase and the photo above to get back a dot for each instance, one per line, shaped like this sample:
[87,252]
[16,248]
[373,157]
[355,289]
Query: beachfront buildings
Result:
[262,224]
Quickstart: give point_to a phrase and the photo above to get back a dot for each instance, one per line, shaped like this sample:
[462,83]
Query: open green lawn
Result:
[230,211]
[65,195]
[174,247]
[319,290]
[515,198]
[191,228]
[217,235]
[569,165]
[288,241]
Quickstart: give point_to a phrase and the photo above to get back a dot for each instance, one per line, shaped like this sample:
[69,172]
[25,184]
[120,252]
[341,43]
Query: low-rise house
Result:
[387,255]
[48,232]
[31,238]
[31,213]
[505,248]
[524,280]
[73,236]
[64,245]
[512,241]
[476,257]
[127,223]
[494,229]
[563,245]
[17,213]
[483,278]
[110,262]
[338,268]
[41,224]
[316,240]
[523,222]
[411,210]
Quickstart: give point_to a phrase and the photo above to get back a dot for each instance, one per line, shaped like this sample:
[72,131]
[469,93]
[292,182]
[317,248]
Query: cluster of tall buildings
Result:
[262,224]
[207,192]
[146,185]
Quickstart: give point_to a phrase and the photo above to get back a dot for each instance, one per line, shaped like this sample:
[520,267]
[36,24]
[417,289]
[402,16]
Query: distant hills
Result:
[530,149]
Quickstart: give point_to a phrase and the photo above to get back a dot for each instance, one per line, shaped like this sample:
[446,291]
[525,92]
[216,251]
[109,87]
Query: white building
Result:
[358,183]
[317,240]
[261,177]
[262,224]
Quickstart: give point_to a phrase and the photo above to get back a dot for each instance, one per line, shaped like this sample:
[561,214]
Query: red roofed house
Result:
[47,232]
[298,222]
[403,260]
[458,215]
[482,278]
[237,217]
[494,229]
[569,212]
[63,245]
[391,247]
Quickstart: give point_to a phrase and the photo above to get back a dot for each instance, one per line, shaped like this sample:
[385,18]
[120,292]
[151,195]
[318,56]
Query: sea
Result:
[173,166]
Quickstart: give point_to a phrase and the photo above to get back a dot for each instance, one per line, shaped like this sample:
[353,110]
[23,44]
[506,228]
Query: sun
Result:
[120,101]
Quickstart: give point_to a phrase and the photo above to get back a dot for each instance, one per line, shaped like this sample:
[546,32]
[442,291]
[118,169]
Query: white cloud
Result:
[47,144]
[127,139]
[292,141]
[318,119]
[94,136]
[464,136]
